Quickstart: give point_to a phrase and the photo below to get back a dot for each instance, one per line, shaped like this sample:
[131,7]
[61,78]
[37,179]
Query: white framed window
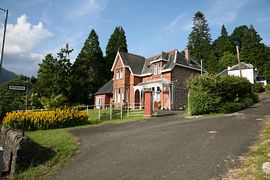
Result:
[155,69]
[98,102]
[127,94]
[122,98]
[117,74]
[121,73]
[158,69]
[115,95]
[118,95]
[158,94]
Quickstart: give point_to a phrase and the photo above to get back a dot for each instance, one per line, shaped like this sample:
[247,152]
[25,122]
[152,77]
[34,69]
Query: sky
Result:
[38,27]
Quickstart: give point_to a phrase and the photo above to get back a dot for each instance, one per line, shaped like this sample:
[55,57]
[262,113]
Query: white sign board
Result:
[17,88]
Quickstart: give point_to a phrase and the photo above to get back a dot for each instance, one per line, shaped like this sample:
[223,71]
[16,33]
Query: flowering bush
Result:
[58,118]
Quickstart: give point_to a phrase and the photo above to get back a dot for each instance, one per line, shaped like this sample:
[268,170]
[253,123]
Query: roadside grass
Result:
[251,167]
[64,145]
[58,140]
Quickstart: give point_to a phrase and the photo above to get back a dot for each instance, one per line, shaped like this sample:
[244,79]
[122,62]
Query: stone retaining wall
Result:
[20,152]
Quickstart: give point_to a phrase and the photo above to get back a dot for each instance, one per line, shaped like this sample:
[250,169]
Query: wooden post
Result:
[238,58]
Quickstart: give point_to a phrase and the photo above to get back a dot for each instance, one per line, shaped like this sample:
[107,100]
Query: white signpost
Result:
[17,88]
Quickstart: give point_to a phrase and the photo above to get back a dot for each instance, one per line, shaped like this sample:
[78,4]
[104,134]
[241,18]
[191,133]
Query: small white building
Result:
[248,71]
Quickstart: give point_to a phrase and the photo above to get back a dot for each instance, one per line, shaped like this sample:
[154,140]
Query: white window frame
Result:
[115,95]
[127,95]
[157,93]
[122,98]
[98,102]
[155,69]
[121,73]
[118,95]
[158,69]
[117,74]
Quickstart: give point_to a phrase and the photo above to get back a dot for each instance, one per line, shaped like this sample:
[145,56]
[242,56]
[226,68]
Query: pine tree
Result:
[221,46]
[45,76]
[199,41]
[54,74]
[62,79]
[88,70]
[117,42]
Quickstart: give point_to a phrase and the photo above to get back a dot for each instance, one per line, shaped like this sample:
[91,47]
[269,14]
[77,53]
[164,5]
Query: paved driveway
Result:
[169,147]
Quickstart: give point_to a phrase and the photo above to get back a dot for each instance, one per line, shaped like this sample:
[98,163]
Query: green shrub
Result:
[202,103]
[267,87]
[258,88]
[54,102]
[230,107]
[213,94]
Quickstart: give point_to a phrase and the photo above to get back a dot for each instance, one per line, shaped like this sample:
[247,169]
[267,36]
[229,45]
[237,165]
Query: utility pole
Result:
[238,57]
[4,36]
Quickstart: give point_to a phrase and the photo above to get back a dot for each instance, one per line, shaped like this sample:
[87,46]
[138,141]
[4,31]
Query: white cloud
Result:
[88,6]
[21,38]
[224,11]
[175,22]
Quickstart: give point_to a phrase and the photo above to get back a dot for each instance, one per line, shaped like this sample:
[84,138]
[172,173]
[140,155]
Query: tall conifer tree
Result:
[88,70]
[117,42]
[199,40]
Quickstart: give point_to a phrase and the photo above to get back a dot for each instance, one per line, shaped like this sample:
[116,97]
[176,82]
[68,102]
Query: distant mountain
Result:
[6,75]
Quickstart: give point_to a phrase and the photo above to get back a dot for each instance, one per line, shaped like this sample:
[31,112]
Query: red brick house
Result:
[165,73]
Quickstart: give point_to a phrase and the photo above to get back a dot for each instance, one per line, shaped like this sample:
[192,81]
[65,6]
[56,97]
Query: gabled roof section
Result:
[135,62]
[132,61]
[106,88]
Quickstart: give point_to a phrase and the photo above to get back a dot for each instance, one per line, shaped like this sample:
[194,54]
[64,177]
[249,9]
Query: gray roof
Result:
[243,66]
[140,65]
[135,62]
[106,88]
[236,67]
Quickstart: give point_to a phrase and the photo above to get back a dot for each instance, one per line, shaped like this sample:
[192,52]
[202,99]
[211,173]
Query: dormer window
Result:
[158,69]
[155,69]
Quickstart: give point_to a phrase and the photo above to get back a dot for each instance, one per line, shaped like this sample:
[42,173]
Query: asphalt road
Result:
[169,147]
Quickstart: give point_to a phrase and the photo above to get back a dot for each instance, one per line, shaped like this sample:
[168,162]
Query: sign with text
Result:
[17,88]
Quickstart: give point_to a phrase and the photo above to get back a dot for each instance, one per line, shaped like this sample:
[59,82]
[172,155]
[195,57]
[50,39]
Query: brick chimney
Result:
[187,55]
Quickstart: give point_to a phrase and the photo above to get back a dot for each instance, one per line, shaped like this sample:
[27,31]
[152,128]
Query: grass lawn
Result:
[58,140]
[252,162]
[64,145]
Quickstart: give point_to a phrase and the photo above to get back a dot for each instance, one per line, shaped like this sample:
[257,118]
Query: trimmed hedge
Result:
[219,94]
[58,118]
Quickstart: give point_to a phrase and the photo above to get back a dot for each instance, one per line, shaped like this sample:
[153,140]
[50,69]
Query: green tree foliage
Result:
[88,70]
[116,42]
[11,100]
[54,74]
[252,50]
[199,41]
[46,74]
[221,46]
[228,59]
